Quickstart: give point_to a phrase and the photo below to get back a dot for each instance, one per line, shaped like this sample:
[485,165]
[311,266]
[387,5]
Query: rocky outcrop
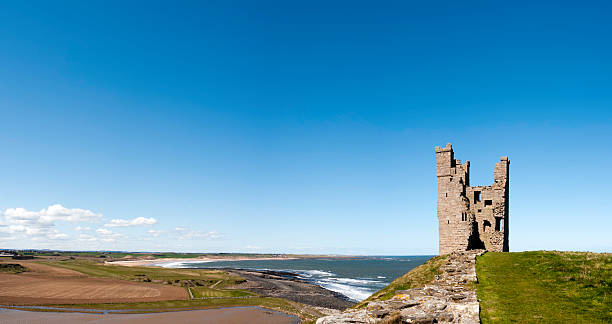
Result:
[449,299]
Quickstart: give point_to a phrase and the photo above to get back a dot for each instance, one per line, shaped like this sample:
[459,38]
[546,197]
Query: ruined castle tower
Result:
[471,217]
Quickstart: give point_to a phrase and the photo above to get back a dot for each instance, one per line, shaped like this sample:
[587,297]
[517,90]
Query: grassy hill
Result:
[529,287]
[415,278]
[545,287]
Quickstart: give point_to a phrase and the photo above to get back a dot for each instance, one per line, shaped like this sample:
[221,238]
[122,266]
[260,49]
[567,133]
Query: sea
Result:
[354,277]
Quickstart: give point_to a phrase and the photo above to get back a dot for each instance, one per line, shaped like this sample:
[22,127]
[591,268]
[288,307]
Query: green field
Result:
[545,287]
[198,281]
[187,277]
[139,255]
[204,292]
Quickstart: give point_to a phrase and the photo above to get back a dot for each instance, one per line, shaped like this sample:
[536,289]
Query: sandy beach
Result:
[228,315]
[165,261]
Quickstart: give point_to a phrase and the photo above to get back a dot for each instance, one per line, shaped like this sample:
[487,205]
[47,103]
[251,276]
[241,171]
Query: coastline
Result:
[162,262]
[289,286]
[338,275]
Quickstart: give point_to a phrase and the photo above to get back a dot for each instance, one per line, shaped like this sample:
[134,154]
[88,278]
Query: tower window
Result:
[476,196]
[485,224]
[488,202]
[499,224]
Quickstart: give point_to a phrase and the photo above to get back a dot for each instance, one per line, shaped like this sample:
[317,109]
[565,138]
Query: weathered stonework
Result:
[450,298]
[471,217]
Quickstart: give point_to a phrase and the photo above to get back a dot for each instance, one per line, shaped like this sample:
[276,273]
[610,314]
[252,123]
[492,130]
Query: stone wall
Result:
[449,299]
[470,217]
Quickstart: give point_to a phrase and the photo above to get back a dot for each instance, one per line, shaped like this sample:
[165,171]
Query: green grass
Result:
[201,292]
[196,277]
[198,281]
[415,278]
[12,268]
[278,304]
[115,255]
[545,287]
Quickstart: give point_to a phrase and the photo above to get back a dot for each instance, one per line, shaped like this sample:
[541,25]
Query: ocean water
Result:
[356,278]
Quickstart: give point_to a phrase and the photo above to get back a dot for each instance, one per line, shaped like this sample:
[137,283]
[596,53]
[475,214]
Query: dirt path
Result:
[215,284]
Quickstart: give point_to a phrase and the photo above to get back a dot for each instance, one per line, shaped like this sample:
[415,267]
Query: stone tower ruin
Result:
[471,217]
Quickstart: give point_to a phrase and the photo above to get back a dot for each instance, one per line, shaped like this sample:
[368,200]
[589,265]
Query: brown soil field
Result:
[50,285]
[36,268]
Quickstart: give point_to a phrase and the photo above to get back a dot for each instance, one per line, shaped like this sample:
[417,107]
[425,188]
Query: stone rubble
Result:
[449,299]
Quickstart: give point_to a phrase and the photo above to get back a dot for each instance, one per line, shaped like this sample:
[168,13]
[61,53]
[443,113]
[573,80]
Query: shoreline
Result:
[288,285]
[161,262]
[268,283]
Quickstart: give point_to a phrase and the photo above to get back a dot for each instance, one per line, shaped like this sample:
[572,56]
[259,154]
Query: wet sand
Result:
[228,315]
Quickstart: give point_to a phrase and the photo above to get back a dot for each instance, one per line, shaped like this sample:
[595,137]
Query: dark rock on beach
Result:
[287,285]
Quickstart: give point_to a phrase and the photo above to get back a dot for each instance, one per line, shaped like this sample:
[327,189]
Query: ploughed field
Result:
[90,284]
[44,284]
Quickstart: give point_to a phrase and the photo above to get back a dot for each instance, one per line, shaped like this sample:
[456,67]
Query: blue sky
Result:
[276,126]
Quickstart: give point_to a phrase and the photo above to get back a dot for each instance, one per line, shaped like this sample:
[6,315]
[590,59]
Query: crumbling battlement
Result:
[471,217]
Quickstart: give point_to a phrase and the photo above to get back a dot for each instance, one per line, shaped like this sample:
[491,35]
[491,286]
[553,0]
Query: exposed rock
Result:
[447,300]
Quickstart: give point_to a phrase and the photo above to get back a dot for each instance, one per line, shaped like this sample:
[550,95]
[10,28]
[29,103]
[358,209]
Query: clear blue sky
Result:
[308,127]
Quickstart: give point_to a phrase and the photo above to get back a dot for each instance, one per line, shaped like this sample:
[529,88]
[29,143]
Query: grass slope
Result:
[415,278]
[545,287]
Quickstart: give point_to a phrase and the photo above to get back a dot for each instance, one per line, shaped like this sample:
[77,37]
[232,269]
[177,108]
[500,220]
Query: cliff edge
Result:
[440,291]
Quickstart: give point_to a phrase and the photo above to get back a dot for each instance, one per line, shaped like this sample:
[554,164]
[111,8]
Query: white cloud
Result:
[49,215]
[186,234]
[56,235]
[108,236]
[154,233]
[103,231]
[40,225]
[139,221]
[87,237]
[79,228]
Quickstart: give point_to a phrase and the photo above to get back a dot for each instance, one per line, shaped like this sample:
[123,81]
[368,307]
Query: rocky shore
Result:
[449,299]
[287,285]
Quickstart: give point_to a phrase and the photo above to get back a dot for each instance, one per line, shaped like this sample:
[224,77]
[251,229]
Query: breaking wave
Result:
[356,289]
[356,278]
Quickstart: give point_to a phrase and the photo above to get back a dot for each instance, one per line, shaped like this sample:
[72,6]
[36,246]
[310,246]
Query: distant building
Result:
[471,217]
